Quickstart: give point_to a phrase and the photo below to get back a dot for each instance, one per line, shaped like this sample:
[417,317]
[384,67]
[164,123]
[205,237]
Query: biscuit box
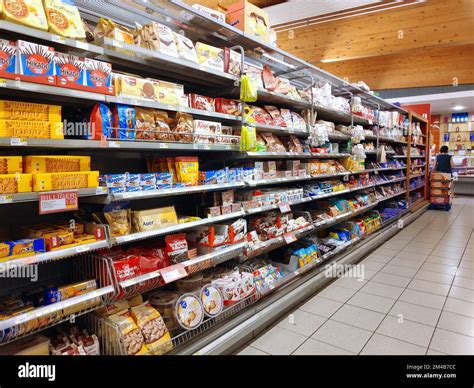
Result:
[30,13]
[35,63]
[64,19]
[70,71]
[98,77]
[22,248]
[65,180]
[15,183]
[31,129]
[11,164]
[56,163]
[8,58]
[28,111]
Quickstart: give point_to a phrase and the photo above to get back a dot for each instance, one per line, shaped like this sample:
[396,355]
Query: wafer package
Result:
[64,19]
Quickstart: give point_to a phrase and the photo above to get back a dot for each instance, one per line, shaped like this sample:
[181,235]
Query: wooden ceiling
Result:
[225,3]
[427,44]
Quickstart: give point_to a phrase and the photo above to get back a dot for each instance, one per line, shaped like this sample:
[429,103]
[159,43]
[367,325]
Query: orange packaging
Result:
[250,19]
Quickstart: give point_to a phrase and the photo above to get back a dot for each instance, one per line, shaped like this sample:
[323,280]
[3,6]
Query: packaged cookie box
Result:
[171,93]
[16,183]
[98,77]
[11,164]
[64,19]
[21,248]
[8,55]
[145,220]
[70,71]
[65,180]
[31,129]
[29,13]
[35,63]
[207,127]
[136,87]
[53,163]
[210,56]
[28,111]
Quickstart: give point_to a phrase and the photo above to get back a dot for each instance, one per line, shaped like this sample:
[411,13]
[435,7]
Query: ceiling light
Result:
[457,107]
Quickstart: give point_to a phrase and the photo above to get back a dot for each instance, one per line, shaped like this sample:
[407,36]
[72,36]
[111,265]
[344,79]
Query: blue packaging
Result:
[208,177]
[147,187]
[148,179]
[132,189]
[132,179]
[116,180]
[164,178]
[124,122]
[221,176]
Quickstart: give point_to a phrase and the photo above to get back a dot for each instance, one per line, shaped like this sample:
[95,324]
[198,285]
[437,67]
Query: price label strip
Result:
[289,238]
[173,273]
[284,207]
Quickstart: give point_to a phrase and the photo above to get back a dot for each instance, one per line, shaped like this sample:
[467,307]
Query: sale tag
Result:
[58,201]
[284,207]
[289,238]
[82,249]
[173,273]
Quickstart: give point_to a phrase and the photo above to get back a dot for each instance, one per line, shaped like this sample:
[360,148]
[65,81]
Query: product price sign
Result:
[173,273]
[6,198]
[289,238]
[58,201]
[284,207]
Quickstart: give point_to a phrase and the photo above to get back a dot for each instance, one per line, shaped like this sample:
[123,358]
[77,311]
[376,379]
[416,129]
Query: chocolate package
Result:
[8,57]
[70,70]
[35,63]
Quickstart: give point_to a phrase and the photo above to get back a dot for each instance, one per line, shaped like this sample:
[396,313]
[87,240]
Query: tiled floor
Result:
[417,299]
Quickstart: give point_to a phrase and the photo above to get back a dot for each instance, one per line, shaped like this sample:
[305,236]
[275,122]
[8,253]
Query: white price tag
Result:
[15,141]
[101,190]
[289,238]
[284,207]
[83,46]
[135,102]
[82,249]
[116,43]
[173,273]
[127,238]
[6,198]
[3,83]
[114,144]
[58,39]
[376,172]
[171,107]
[163,146]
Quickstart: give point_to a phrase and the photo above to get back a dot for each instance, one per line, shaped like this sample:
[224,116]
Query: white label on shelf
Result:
[289,238]
[114,144]
[15,141]
[171,107]
[128,237]
[58,39]
[135,102]
[173,273]
[3,83]
[284,207]
[83,46]
[163,145]
[116,43]
[82,249]
[100,190]
[345,178]
[6,198]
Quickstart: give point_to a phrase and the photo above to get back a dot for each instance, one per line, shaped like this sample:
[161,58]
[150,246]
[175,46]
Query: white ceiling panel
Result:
[303,9]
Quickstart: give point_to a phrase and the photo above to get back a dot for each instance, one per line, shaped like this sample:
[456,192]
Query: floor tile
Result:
[278,341]
[251,351]
[411,256]
[399,270]
[371,302]
[440,268]
[407,263]
[337,293]
[405,330]
[429,287]
[415,313]
[344,336]
[459,281]
[394,280]
[312,347]
[415,248]
[423,299]
[352,283]
[321,306]
[465,273]
[383,345]
[385,290]
[432,352]
[359,317]
[458,306]
[378,259]
[466,264]
[457,323]
[434,277]
[462,293]
[449,342]
[442,260]
[372,265]
[302,322]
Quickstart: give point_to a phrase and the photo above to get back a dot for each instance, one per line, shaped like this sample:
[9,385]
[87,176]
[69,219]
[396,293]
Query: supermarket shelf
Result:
[113,144]
[406,156]
[86,49]
[280,100]
[279,130]
[33,196]
[291,155]
[52,255]
[338,136]
[418,187]
[275,181]
[416,176]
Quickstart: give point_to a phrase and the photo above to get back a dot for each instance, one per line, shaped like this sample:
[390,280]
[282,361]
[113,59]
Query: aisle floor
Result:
[417,297]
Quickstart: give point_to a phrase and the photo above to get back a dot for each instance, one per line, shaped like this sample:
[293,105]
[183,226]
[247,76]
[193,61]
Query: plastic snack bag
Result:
[124,121]
[101,122]
[132,337]
[248,89]
[248,139]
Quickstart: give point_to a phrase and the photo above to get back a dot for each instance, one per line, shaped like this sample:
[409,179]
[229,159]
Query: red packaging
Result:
[269,81]
[228,107]
[197,101]
[232,62]
[69,70]
[277,118]
[149,259]
[8,57]
[126,267]
[176,248]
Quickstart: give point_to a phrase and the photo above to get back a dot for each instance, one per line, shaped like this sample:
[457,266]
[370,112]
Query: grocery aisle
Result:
[417,297]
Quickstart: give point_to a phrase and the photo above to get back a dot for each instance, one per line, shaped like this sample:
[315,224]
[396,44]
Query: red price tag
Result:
[284,207]
[58,201]
[173,273]
[289,238]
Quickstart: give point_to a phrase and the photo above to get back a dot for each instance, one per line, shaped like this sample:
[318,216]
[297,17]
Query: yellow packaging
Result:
[28,111]
[64,19]
[4,250]
[145,220]
[135,87]
[132,336]
[53,163]
[15,183]
[187,170]
[31,129]
[155,333]
[11,164]
[170,93]
[65,180]
[30,13]
[210,56]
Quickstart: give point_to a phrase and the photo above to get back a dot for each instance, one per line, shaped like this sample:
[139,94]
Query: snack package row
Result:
[271,115]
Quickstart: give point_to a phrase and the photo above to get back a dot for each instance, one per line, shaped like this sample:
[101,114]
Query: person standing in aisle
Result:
[444,162]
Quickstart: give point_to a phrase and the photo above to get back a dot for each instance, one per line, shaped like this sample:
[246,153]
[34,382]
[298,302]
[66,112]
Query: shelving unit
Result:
[92,260]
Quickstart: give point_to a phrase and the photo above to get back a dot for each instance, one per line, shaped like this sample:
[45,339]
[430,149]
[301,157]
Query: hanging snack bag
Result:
[176,248]
[100,122]
[248,139]
[124,122]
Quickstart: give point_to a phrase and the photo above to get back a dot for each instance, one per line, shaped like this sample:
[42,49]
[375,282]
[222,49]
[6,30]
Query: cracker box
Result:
[98,77]
[8,56]
[31,129]
[65,180]
[70,71]
[15,183]
[23,248]
[35,63]
[28,111]
[56,163]
[170,93]
[11,164]
[136,87]
[64,19]
[30,13]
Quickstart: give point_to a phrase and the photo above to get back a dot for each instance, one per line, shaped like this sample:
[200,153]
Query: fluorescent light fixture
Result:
[457,107]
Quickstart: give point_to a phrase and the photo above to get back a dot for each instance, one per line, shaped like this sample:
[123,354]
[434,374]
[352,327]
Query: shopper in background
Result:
[444,162]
